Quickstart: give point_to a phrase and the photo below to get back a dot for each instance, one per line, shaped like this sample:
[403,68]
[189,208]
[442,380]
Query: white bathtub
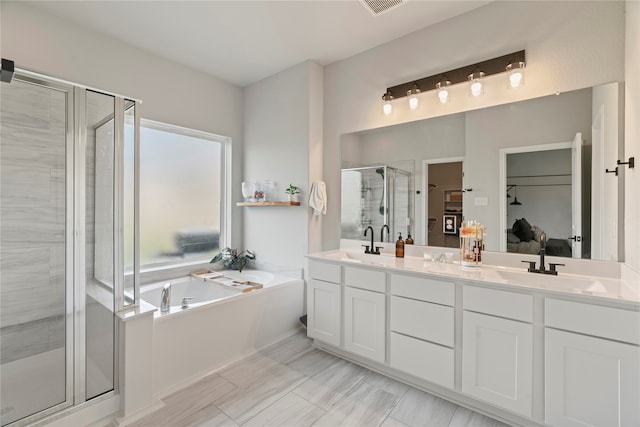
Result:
[202,292]
[222,326]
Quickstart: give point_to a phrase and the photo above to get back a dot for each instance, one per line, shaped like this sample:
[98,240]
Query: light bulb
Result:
[515,79]
[476,88]
[515,71]
[475,83]
[414,102]
[443,95]
[387,108]
[443,90]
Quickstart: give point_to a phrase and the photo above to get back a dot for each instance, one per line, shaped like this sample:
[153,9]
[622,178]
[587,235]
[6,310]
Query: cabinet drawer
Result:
[424,320]
[605,322]
[424,289]
[422,359]
[373,280]
[324,271]
[511,305]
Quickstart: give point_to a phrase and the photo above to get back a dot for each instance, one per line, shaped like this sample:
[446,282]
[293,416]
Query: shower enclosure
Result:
[63,166]
[374,196]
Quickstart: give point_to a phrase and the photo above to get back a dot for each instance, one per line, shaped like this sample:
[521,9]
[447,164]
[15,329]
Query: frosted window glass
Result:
[180,196]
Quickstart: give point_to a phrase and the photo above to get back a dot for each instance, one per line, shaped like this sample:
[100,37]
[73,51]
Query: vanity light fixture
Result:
[414,102]
[476,83]
[443,90]
[387,108]
[515,72]
[513,64]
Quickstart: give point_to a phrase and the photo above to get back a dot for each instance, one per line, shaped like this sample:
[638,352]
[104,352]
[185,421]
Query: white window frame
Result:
[225,189]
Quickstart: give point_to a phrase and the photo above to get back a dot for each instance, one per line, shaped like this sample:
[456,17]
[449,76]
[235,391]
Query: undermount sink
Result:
[357,257]
[540,280]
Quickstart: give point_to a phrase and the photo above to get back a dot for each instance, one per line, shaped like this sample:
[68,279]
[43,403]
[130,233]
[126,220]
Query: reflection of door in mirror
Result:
[443,202]
[542,198]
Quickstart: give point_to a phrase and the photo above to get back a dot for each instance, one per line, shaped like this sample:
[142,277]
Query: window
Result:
[182,194]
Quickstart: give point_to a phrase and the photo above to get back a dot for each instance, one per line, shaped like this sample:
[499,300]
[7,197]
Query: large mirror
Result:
[541,160]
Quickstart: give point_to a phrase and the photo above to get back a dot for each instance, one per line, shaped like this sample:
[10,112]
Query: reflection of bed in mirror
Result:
[524,238]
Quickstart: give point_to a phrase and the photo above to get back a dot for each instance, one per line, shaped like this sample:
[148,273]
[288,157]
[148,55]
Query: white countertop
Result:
[610,288]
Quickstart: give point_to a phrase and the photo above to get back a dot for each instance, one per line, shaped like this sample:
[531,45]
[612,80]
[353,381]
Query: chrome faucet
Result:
[165,298]
[374,250]
[185,302]
[542,269]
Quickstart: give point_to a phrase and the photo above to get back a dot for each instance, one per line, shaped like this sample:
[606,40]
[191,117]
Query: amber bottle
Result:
[408,240]
[400,247]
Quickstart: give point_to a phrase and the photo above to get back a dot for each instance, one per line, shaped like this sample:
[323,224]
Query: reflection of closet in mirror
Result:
[374,196]
[443,204]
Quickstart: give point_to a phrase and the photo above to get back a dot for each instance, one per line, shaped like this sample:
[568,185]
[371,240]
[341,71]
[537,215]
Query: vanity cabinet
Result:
[324,303]
[365,313]
[592,372]
[422,328]
[497,348]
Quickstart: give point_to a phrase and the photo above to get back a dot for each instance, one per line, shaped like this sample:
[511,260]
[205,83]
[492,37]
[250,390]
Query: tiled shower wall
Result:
[32,213]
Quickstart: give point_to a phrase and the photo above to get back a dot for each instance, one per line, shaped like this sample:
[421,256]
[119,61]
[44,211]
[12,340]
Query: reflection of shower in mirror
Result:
[374,196]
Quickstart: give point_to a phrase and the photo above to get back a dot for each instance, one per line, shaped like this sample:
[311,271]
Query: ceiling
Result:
[243,42]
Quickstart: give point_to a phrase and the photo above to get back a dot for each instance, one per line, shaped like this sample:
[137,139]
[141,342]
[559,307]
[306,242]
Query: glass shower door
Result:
[35,249]
[99,218]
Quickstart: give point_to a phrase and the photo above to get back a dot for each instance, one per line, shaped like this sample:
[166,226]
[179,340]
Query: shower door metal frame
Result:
[75,244]
[67,89]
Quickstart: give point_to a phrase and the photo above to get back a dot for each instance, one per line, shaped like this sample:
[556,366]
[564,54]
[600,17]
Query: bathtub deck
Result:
[293,384]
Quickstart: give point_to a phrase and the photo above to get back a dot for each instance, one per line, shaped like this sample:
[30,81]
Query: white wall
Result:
[564,52]
[170,92]
[632,136]
[281,144]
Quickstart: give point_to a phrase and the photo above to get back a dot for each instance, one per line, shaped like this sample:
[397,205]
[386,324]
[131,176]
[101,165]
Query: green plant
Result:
[232,259]
[292,189]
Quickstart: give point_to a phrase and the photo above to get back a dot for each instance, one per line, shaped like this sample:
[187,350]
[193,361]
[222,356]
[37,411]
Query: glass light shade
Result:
[414,102]
[476,85]
[515,73]
[443,91]
[387,108]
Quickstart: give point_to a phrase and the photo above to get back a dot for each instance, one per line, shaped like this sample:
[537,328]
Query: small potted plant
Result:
[232,259]
[292,191]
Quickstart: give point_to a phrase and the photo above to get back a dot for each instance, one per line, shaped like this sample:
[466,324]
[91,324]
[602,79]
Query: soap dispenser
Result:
[408,240]
[400,247]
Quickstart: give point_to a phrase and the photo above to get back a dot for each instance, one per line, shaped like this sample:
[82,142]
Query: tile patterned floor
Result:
[293,384]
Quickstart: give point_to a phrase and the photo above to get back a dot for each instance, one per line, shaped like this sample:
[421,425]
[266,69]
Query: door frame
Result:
[503,179]
[425,189]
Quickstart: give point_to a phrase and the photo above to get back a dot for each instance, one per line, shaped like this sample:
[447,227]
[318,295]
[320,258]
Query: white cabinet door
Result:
[590,381]
[364,323]
[497,361]
[323,311]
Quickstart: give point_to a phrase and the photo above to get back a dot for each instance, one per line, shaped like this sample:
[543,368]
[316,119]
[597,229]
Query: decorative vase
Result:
[248,191]
[293,197]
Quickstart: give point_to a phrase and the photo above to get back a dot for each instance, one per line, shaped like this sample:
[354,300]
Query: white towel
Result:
[318,197]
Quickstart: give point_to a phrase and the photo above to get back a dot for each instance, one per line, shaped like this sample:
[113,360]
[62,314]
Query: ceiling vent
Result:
[378,7]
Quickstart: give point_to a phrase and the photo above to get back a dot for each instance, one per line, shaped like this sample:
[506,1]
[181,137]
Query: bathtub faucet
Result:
[165,297]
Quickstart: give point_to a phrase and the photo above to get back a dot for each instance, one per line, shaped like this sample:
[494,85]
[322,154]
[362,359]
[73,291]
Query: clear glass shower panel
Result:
[33,246]
[99,243]
[129,201]
[374,196]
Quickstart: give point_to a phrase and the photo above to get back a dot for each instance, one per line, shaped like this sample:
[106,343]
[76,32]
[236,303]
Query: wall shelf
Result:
[268,204]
